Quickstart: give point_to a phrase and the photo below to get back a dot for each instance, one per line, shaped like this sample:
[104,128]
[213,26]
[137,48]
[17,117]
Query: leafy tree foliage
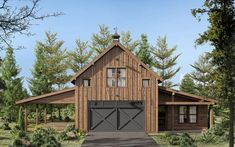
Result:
[220,34]
[17,18]
[203,76]
[80,56]
[143,52]
[50,69]
[14,87]
[101,40]
[164,61]
[187,84]
[128,42]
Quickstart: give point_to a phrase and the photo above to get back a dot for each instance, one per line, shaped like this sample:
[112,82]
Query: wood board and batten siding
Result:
[133,91]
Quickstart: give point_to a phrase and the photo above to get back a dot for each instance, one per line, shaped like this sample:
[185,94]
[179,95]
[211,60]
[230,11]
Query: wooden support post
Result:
[211,118]
[25,119]
[173,112]
[45,115]
[36,116]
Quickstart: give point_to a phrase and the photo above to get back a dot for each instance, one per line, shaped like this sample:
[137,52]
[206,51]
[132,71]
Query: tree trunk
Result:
[231,123]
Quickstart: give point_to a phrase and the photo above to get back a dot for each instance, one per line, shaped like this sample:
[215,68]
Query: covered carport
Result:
[62,97]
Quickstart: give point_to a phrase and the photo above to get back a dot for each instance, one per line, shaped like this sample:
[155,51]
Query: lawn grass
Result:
[6,139]
[163,142]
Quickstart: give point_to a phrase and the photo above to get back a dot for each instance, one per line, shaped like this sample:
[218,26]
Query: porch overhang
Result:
[186,103]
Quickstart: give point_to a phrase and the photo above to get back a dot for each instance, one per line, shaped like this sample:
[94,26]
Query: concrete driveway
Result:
[118,139]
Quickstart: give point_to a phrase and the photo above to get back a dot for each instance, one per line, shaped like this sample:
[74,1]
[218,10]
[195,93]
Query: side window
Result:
[192,114]
[145,82]
[182,114]
[86,82]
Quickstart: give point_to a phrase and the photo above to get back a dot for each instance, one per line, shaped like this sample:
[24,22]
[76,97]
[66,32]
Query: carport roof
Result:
[48,95]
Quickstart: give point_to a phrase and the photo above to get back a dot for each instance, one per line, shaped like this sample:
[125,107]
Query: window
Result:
[192,114]
[183,114]
[145,83]
[87,82]
[187,114]
[116,77]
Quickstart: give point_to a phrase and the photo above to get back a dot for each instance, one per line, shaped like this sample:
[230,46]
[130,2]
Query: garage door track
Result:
[118,139]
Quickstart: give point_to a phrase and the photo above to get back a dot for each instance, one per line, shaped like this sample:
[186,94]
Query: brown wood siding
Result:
[99,90]
[202,119]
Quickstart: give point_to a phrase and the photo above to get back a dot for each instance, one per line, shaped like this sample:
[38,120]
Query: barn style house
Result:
[118,92]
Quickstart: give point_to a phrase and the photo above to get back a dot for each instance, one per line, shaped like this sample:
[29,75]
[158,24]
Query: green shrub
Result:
[45,137]
[186,141]
[21,140]
[80,134]
[69,128]
[216,134]
[5,126]
[174,140]
[15,130]
[67,119]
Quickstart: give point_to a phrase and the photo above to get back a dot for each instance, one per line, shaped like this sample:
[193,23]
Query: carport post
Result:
[25,118]
[45,114]
[211,117]
[36,117]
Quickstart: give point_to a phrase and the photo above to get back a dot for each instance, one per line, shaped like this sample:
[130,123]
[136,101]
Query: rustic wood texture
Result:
[135,72]
[211,118]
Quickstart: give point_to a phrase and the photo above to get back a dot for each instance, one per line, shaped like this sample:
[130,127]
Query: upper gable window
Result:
[116,77]
[145,83]
[86,82]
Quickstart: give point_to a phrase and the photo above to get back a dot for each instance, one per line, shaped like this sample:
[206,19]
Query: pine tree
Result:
[80,56]
[13,86]
[50,69]
[220,33]
[128,42]
[165,61]
[143,52]
[102,39]
[187,85]
[202,75]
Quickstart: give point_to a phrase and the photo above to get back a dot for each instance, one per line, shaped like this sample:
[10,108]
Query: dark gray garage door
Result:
[109,116]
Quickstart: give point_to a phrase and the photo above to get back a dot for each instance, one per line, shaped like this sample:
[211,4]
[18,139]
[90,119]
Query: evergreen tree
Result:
[220,34]
[50,69]
[143,52]
[165,61]
[187,85]
[128,42]
[80,56]
[102,39]
[202,75]
[13,86]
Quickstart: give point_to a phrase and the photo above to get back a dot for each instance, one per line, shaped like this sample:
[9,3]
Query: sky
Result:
[82,18]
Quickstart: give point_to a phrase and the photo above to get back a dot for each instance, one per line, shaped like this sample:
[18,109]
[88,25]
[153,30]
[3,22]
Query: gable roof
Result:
[186,94]
[114,44]
[30,99]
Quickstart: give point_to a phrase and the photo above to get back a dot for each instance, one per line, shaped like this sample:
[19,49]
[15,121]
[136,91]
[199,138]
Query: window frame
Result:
[89,82]
[188,114]
[149,83]
[116,77]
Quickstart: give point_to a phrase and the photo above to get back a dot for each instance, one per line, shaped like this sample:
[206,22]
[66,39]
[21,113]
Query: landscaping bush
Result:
[216,134]
[174,140]
[45,137]
[186,141]
[21,140]
[15,130]
[71,133]
[5,126]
